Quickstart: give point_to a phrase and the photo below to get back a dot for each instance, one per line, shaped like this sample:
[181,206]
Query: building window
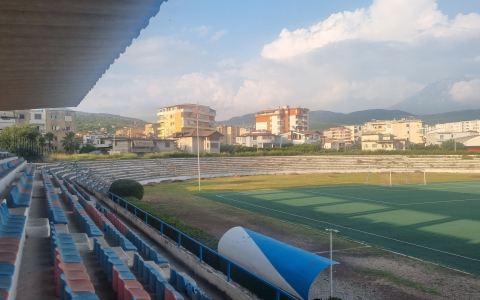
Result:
[38,116]
[68,118]
[374,146]
[214,146]
[38,128]
[68,128]
[53,117]
[167,144]
[22,117]
[254,138]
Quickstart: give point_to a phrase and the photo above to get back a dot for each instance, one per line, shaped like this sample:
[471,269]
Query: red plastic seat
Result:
[9,240]
[3,295]
[123,285]
[81,286]
[9,248]
[8,257]
[139,294]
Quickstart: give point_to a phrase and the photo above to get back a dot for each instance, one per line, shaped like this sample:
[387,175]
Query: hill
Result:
[434,98]
[96,121]
[454,116]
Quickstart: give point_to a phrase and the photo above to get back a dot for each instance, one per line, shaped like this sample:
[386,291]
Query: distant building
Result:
[356,132]
[464,126]
[208,140]
[283,119]
[98,140]
[182,118]
[260,139]
[339,134]
[437,138]
[472,143]
[302,137]
[130,132]
[7,118]
[382,141]
[409,129]
[140,146]
[230,133]
[152,129]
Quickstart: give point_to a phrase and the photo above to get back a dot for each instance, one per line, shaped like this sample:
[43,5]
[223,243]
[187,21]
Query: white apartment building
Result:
[473,125]
[357,131]
[260,139]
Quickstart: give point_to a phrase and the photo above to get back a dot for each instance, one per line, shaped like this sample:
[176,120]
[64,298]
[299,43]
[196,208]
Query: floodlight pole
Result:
[331,259]
[368,174]
[390,177]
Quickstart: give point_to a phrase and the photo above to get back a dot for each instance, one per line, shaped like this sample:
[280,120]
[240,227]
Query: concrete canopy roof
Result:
[52,52]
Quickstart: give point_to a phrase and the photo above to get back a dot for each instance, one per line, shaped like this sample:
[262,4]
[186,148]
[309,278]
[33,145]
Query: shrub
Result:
[127,187]
[87,149]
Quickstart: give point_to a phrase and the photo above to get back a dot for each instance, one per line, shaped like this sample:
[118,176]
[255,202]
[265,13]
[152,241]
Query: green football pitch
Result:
[437,222]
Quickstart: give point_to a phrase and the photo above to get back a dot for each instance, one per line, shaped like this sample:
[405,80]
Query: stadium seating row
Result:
[119,238]
[186,285]
[55,214]
[21,194]
[10,166]
[84,220]
[124,283]
[11,232]
[71,278]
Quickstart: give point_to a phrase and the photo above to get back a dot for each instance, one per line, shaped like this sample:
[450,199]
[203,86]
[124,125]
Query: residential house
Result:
[98,140]
[140,146]
[339,134]
[380,141]
[283,119]
[183,118]
[208,141]
[302,137]
[130,132]
[260,139]
[465,126]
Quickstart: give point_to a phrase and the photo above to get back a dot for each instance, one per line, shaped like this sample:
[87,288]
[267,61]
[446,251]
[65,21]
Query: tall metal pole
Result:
[331,259]
[198,149]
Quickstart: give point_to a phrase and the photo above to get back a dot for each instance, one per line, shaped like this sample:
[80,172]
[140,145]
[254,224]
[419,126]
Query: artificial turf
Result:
[439,222]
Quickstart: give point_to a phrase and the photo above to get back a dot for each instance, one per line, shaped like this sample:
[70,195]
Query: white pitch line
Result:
[328,251]
[398,204]
[340,226]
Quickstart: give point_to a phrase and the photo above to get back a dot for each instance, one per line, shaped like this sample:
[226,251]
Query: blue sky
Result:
[338,55]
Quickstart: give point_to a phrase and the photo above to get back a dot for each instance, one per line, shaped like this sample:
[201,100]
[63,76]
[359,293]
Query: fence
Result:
[30,150]
[262,288]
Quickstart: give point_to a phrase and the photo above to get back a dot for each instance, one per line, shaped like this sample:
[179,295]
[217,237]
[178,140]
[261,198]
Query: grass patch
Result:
[389,276]
[194,232]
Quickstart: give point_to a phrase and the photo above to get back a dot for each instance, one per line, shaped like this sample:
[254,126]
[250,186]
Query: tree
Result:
[88,148]
[450,145]
[70,143]
[49,137]
[10,133]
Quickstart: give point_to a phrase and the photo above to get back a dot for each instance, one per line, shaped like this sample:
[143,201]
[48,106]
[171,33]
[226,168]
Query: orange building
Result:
[130,132]
[281,120]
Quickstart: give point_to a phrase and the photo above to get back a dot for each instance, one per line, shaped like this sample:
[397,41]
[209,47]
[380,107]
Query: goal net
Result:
[397,177]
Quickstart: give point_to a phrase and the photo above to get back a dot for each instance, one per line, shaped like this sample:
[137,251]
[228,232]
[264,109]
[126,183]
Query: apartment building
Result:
[383,141]
[7,118]
[437,138]
[356,132]
[230,133]
[283,119]
[260,139]
[58,122]
[338,134]
[182,118]
[98,140]
[465,126]
[409,129]
[130,132]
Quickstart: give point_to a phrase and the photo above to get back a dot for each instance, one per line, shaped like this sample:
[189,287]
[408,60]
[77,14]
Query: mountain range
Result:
[435,98]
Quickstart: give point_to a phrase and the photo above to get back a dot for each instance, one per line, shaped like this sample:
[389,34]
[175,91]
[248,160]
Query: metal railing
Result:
[278,292]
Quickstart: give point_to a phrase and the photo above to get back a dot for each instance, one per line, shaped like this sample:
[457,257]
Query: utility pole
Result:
[331,259]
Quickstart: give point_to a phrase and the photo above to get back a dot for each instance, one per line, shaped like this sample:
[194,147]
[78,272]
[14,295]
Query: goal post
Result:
[391,177]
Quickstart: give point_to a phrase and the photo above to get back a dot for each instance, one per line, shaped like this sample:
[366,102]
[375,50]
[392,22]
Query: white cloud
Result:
[227,63]
[202,30]
[218,35]
[477,58]
[466,91]
[385,20]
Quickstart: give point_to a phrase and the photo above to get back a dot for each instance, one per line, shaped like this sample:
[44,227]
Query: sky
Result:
[239,57]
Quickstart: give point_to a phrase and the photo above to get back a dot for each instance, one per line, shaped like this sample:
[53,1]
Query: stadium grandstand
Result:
[56,239]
